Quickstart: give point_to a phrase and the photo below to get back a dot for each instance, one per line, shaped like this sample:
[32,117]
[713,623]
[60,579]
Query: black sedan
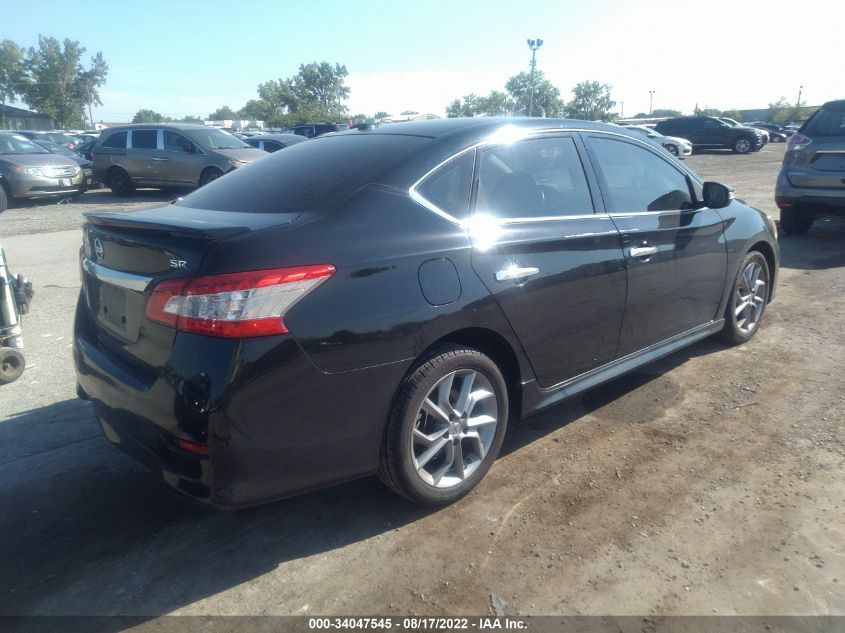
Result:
[387,302]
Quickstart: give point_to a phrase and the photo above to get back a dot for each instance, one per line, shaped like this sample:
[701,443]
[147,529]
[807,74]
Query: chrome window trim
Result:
[493,139]
[129,281]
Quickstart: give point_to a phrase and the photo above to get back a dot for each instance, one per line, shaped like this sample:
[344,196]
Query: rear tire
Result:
[749,297]
[446,427]
[795,221]
[120,183]
[12,365]
[4,199]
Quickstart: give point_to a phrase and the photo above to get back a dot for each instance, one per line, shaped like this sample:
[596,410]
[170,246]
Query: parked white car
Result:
[675,145]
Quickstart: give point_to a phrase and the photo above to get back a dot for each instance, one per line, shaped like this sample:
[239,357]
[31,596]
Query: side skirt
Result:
[536,398]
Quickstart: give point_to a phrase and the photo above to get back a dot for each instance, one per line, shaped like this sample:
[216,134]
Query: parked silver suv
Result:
[167,155]
[812,178]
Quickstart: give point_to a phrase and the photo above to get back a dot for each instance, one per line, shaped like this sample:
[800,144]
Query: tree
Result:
[664,112]
[320,88]
[710,112]
[60,87]
[547,100]
[496,103]
[468,107]
[255,110]
[12,74]
[408,112]
[380,115]
[189,118]
[591,101]
[223,113]
[733,114]
[147,116]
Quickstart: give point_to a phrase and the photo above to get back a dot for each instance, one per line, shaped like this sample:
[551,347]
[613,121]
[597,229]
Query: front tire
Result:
[12,365]
[673,149]
[749,296]
[743,145]
[446,426]
[795,221]
[209,175]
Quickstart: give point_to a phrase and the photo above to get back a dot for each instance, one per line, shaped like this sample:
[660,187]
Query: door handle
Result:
[512,273]
[160,159]
[641,251]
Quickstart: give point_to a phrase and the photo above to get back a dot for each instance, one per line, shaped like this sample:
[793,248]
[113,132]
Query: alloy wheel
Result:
[750,297]
[454,428]
[743,146]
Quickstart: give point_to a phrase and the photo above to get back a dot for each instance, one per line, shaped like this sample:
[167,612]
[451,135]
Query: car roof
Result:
[171,126]
[439,128]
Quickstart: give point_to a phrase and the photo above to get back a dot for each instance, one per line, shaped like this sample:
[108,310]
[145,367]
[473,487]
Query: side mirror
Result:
[716,195]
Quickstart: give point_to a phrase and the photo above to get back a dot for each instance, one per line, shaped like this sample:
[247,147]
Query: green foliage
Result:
[710,112]
[147,116]
[380,115]
[12,73]
[781,111]
[591,101]
[315,93]
[733,114]
[663,112]
[547,101]
[59,86]
[222,113]
[188,118]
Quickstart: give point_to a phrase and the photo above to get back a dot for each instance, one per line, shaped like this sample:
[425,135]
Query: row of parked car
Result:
[36,164]
[683,135]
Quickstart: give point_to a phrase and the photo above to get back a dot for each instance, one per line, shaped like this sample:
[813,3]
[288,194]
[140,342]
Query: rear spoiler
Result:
[186,222]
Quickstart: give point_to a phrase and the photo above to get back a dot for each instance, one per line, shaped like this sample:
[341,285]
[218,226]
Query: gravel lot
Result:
[710,482]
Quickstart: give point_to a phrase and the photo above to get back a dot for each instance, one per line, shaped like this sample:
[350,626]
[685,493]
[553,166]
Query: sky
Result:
[185,57]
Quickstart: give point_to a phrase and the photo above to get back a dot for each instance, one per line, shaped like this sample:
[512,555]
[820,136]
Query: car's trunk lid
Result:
[125,255]
[820,164]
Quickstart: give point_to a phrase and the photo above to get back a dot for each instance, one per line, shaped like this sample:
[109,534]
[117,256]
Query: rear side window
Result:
[272,146]
[252,142]
[144,139]
[116,141]
[306,175]
[450,186]
[532,178]
[829,121]
[635,179]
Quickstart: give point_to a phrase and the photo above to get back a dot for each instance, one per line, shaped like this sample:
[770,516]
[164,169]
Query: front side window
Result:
[636,179]
[532,178]
[144,139]
[116,141]
[175,142]
[449,187]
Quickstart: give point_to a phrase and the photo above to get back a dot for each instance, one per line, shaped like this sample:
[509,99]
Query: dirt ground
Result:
[711,482]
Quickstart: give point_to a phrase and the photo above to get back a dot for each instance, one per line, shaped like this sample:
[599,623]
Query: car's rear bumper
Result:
[815,200]
[274,424]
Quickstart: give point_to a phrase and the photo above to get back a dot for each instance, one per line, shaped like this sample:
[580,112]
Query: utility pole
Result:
[533,45]
[650,100]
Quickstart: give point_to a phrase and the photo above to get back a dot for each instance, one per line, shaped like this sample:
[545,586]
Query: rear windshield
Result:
[829,121]
[306,175]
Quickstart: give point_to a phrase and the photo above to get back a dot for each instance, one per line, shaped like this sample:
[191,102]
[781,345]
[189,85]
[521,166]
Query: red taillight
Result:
[797,141]
[194,447]
[234,305]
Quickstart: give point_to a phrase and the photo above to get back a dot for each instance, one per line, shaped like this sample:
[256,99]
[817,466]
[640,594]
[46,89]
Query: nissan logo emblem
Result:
[98,248]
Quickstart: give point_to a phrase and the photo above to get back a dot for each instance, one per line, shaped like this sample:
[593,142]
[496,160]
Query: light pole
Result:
[533,45]
[800,89]
[622,104]
[650,100]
